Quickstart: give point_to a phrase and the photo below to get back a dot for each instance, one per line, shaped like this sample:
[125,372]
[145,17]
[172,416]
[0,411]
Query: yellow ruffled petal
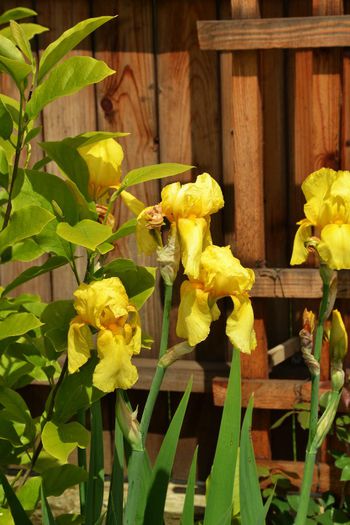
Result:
[135,205]
[194,199]
[101,302]
[194,315]
[223,273]
[318,183]
[334,248]
[79,344]
[114,369]
[191,233]
[240,324]
[103,160]
[300,253]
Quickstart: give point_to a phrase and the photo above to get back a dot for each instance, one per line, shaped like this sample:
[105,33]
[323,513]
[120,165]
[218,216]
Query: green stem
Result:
[160,370]
[15,164]
[306,488]
[314,406]
[138,458]
[83,464]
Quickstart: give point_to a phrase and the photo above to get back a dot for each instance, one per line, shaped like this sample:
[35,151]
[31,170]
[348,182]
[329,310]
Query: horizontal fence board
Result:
[326,477]
[274,33]
[295,283]
[278,394]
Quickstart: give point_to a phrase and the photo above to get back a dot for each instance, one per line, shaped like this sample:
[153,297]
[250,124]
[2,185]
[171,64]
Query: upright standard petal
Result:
[192,233]
[300,252]
[114,369]
[79,344]
[240,324]
[334,247]
[194,315]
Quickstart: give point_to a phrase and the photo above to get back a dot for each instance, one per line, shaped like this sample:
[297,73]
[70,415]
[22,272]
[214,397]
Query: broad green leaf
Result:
[116,489]
[6,123]
[67,78]
[57,479]
[304,419]
[16,69]
[76,392]
[8,431]
[61,440]
[27,250]
[16,410]
[14,372]
[139,281]
[66,42]
[21,40]
[4,167]
[18,513]
[17,13]
[220,494]
[30,30]
[9,50]
[280,420]
[252,509]
[125,229]
[47,516]
[50,242]
[156,171]
[345,475]
[24,223]
[86,233]
[18,324]
[187,517]
[164,463]
[32,134]
[12,106]
[35,271]
[29,493]
[95,487]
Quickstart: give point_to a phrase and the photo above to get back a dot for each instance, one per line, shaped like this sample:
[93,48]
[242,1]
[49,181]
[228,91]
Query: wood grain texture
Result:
[246,175]
[277,394]
[9,271]
[68,116]
[189,113]
[126,102]
[281,33]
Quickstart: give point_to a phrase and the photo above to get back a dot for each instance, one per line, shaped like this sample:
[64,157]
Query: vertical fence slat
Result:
[247,178]
[68,116]
[127,102]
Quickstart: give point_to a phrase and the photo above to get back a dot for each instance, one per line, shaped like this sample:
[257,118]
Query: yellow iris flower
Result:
[189,206]
[327,212]
[105,306]
[220,275]
[103,159]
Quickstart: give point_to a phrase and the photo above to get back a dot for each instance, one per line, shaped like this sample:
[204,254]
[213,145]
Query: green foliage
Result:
[18,324]
[157,171]
[187,517]
[59,478]
[61,440]
[17,13]
[17,510]
[6,123]
[86,233]
[94,497]
[67,78]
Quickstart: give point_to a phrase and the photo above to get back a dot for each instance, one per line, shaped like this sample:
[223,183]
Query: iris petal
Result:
[191,233]
[79,344]
[300,253]
[194,315]
[334,247]
[240,324]
[114,369]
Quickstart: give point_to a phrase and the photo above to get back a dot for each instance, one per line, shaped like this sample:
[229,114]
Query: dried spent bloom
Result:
[104,305]
[103,159]
[220,275]
[327,212]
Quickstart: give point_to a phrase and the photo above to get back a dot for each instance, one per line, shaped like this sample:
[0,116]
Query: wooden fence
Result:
[257,103]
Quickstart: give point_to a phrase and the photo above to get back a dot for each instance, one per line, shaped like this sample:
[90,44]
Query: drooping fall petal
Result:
[114,369]
[192,233]
[79,344]
[300,252]
[194,315]
[334,246]
[240,324]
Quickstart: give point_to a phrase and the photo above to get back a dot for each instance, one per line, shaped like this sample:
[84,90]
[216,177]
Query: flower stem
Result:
[82,463]
[160,370]
[310,456]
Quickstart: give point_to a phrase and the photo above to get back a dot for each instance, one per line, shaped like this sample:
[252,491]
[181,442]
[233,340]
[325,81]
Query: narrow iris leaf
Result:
[116,491]
[47,515]
[220,494]
[95,487]
[18,513]
[252,509]
[187,517]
